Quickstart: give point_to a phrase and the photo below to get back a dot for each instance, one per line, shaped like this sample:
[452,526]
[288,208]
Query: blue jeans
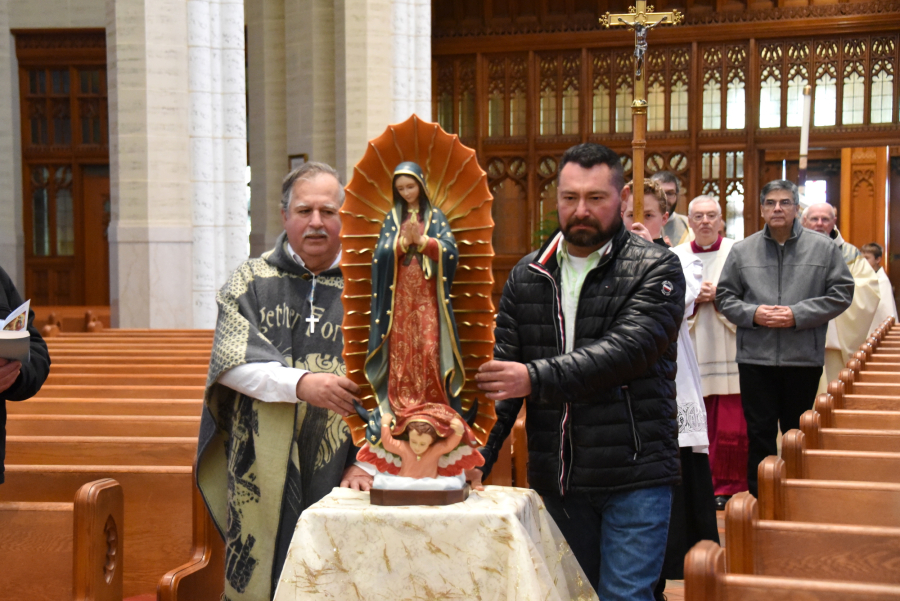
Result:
[627,530]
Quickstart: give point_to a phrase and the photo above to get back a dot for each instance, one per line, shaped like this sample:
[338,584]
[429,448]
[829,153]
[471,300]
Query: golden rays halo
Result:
[458,186]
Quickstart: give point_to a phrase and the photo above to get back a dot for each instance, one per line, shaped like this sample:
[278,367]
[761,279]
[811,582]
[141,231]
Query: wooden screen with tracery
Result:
[521,82]
[65,165]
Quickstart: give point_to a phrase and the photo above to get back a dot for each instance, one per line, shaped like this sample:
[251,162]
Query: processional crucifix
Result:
[641,19]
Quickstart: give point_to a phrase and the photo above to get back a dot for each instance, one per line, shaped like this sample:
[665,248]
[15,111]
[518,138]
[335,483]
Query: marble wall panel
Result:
[12,238]
[152,282]
[40,14]
[363,76]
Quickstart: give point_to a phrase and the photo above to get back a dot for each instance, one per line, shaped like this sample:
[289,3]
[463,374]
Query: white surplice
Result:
[692,431]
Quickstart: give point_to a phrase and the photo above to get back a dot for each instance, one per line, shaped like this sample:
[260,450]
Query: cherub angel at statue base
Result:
[413,361]
[421,456]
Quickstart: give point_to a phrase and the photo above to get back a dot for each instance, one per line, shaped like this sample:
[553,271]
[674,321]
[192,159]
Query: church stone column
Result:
[218,148]
[150,164]
[267,120]
[309,31]
[422,65]
[411,67]
[12,239]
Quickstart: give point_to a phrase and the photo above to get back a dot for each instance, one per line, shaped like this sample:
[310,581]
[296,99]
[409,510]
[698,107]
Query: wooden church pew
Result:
[128,334]
[825,501]
[705,579]
[102,425]
[804,550]
[112,359]
[113,391]
[860,419]
[867,402]
[874,376]
[64,550]
[202,577]
[157,510]
[141,333]
[100,450]
[133,379]
[114,347]
[844,439]
[71,318]
[113,406]
[132,355]
[102,339]
[816,464]
[132,368]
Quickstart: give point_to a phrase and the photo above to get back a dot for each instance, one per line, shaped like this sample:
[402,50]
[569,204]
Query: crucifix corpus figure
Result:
[641,19]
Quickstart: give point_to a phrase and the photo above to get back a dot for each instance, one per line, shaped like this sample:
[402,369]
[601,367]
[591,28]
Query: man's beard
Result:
[588,238]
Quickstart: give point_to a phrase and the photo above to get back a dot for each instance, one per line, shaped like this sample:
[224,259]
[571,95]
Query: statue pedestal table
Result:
[499,544]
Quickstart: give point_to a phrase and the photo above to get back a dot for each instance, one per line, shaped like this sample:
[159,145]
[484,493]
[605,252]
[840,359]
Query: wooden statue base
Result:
[393,498]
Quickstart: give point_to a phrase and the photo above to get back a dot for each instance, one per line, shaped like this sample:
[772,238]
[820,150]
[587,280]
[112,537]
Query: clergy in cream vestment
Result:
[851,328]
[715,342]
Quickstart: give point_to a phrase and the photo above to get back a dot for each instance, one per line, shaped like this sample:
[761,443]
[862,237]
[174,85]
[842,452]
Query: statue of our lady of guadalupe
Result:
[414,363]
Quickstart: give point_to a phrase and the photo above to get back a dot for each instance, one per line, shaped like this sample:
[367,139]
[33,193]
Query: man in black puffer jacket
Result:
[587,330]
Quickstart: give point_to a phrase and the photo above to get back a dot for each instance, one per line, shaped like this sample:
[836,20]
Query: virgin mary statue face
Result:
[408,188]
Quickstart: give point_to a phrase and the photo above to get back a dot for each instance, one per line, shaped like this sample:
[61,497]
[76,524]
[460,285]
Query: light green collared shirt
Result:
[573,271]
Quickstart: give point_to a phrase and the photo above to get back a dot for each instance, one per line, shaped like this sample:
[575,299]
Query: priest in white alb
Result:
[715,342]
[851,328]
[887,307]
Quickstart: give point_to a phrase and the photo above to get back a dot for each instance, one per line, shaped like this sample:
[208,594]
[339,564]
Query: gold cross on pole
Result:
[641,18]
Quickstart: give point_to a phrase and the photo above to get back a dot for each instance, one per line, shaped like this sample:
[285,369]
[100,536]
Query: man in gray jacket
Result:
[780,286]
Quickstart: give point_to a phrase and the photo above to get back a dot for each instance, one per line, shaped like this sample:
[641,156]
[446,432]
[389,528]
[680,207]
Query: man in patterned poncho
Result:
[272,441]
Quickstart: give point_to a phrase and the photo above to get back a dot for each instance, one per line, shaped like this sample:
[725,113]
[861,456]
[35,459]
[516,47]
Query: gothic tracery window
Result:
[624,91]
[825,108]
[883,98]
[854,103]
[600,92]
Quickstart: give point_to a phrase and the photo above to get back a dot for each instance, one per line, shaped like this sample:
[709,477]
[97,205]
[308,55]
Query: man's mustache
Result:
[587,221]
[315,231]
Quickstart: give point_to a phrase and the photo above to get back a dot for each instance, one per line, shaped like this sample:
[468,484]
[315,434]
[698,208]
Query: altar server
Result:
[693,513]
[887,306]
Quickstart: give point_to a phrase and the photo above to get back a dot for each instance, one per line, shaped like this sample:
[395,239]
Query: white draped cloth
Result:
[692,430]
[500,544]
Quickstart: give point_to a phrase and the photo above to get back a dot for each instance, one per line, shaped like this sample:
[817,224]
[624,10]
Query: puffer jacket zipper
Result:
[634,432]
[562,475]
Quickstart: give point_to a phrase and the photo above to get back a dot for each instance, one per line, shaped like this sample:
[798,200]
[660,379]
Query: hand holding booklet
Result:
[15,341]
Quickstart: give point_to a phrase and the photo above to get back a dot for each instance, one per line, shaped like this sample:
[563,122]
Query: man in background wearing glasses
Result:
[677,229]
[780,286]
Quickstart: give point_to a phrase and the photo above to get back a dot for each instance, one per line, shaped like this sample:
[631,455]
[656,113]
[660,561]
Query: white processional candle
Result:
[804,125]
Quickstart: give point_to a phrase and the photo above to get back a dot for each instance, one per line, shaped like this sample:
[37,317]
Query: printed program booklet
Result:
[15,341]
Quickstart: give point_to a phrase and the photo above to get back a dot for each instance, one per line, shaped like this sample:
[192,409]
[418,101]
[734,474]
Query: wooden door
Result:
[95,195]
[52,268]
[65,165]
[826,168]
